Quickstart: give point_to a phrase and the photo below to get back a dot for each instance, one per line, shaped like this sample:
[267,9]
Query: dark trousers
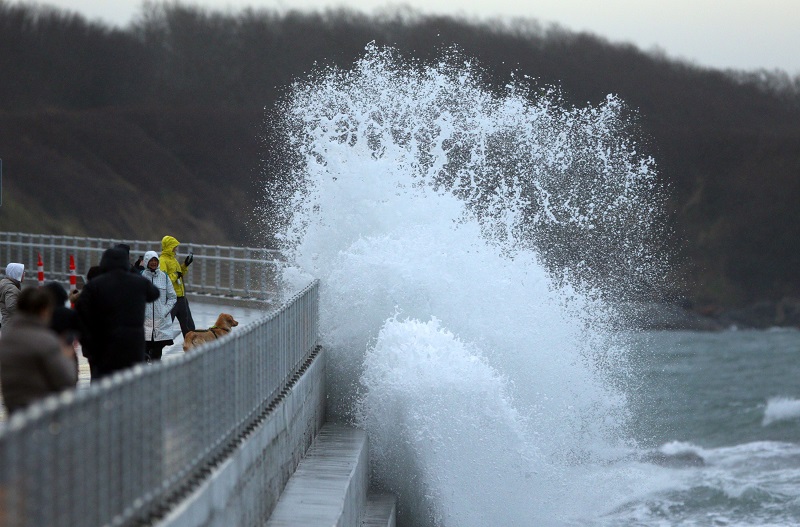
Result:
[153,349]
[183,314]
[94,372]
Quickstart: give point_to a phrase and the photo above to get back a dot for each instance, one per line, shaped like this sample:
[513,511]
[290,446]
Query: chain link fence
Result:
[123,450]
[244,272]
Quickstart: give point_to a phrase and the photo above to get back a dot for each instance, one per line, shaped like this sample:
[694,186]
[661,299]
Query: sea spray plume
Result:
[421,198]
[569,183]
[598,217]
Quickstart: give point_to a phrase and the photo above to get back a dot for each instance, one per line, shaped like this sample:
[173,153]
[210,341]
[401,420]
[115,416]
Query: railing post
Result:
[217,275]
[247,272]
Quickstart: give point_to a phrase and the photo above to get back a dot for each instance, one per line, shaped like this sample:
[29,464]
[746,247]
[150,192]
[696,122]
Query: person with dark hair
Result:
[111,312]
[32,362]
[157,322]
[175,271]
[64,321]
[10,287]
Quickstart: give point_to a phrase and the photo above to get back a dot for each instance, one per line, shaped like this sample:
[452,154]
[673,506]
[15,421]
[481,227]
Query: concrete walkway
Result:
[329,487]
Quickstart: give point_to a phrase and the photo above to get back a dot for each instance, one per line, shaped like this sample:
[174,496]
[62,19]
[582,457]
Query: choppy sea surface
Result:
[733,399]
[471,244]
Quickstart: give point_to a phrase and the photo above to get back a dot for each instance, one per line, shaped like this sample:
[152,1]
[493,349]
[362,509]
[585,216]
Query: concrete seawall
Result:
[244,489]
[292,469]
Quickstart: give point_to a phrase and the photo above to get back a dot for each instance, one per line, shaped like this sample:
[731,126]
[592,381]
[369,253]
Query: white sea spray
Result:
[468,245]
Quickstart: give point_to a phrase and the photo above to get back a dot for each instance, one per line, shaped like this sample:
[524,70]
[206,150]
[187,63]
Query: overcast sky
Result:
[741,34]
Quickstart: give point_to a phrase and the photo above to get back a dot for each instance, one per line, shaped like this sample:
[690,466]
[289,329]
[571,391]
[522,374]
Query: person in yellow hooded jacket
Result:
[168,262]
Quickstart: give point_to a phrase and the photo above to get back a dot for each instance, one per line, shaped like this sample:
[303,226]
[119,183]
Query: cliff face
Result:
[163,127]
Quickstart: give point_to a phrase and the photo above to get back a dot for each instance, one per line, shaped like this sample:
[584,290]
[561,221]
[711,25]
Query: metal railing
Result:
[245,272]
[116,452]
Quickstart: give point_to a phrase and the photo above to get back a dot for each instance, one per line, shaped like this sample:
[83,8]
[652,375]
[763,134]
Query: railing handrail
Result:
[247,272]
[109,242]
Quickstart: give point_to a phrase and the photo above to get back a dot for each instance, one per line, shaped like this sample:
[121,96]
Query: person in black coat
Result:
[111,311]
[137,266]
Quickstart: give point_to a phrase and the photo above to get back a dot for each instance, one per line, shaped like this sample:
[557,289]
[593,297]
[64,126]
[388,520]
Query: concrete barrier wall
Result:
[356,497]
[244,489]
[330,486]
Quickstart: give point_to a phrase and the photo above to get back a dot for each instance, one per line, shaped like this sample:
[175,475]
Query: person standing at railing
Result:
[111,311]
[64,321]
[32,362]
[157,322]
[169,264]
[10,287]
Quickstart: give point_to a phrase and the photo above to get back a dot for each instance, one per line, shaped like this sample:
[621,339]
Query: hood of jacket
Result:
[149,255]
[168,244]
[14,271]
[114,258]
[125,247]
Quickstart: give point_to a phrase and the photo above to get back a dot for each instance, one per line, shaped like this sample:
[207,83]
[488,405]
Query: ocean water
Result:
[472,245]
[732,399]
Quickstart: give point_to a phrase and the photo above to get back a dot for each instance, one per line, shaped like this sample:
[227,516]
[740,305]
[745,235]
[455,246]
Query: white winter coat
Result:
[157,319]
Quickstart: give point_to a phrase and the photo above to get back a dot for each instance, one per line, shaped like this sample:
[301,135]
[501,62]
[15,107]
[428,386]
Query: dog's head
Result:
[226,321]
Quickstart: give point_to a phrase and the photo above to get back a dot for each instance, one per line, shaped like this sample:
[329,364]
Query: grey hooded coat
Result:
[9,291]
[157,319]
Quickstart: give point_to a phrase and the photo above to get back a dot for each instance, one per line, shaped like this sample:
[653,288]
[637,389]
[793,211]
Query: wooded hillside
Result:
[159,128]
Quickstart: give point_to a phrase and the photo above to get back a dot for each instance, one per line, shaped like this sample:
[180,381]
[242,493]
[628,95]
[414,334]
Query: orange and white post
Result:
[73,278]
[40,269]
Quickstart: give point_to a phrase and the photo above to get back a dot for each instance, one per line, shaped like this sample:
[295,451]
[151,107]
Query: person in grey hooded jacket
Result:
[10,287]
[157,319]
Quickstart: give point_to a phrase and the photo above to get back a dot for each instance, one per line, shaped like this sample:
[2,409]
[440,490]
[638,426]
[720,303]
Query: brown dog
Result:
[222,327]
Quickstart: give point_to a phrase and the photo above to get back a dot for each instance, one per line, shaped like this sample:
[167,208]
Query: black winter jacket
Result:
[111,311]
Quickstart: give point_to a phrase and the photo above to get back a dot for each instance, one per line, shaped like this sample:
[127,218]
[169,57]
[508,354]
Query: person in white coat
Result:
[157,319]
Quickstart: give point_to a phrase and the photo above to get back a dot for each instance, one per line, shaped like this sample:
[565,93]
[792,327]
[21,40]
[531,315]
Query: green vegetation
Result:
[160,127]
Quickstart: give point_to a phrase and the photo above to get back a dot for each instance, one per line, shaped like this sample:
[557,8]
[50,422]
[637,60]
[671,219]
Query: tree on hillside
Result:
[190,88]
